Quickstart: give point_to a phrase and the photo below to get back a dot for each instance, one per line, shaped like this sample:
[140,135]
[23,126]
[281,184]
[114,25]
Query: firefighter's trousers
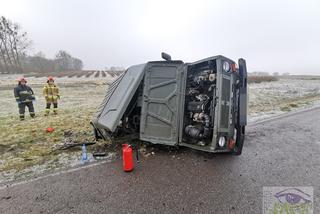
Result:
[22,109]
[55,108]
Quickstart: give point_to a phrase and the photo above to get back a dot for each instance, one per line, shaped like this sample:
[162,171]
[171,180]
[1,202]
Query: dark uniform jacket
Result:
[23,94]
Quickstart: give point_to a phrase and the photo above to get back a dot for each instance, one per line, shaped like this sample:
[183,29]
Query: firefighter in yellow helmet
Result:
[51,93]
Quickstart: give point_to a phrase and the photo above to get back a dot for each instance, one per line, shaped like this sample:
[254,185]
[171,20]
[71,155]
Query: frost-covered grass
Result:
[27,149]
[73,93]
[25,146]
[284,95]
[27,143]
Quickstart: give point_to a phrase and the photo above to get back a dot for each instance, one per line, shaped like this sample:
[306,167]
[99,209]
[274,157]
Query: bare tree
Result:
[13,45]
[77,64]
[65,62]
[14,58]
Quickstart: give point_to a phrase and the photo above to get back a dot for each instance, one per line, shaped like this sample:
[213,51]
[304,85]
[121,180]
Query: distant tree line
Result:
[263,73]
[63,61]
[260,76]
[14,58]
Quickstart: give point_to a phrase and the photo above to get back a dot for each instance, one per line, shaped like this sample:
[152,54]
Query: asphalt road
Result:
[281,152]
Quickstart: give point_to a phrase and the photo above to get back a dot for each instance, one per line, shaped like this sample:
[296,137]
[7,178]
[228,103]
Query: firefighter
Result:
[51,94]
[24,96]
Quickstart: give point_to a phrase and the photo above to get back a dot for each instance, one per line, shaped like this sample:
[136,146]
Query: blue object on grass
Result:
[84,152]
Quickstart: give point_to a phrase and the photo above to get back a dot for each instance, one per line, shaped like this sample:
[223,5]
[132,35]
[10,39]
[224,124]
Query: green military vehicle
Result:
[201,105]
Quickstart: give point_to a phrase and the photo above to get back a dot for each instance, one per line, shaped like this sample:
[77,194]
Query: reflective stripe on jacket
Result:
[23,93]
[51,92]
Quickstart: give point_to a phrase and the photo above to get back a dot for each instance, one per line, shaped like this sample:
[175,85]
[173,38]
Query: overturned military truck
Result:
[201,105]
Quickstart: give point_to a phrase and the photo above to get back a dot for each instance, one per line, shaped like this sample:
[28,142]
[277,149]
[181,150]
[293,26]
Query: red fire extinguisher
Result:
[127,157]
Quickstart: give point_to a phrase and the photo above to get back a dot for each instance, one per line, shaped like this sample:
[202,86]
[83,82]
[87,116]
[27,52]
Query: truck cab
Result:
[201,105]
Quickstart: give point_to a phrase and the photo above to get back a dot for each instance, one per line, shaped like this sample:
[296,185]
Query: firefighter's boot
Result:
[55,108]
[46,112]
[21,116]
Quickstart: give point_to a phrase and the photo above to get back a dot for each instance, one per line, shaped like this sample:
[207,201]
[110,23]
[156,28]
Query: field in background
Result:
[253,78]
[78,74]
[259,79]
[27,149]
[286,94]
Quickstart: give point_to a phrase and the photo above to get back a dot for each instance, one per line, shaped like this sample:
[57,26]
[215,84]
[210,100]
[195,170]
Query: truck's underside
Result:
[201,105]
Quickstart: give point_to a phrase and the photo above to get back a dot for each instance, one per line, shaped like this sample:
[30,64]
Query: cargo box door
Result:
[161,98]
[117,99]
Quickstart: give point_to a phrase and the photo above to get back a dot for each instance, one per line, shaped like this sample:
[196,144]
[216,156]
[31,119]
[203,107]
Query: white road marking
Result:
[51,175]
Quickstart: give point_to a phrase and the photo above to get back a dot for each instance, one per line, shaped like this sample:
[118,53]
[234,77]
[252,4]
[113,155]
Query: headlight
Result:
[226,66]
[222,141]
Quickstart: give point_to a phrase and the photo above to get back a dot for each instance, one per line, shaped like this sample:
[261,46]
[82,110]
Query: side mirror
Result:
[165,56]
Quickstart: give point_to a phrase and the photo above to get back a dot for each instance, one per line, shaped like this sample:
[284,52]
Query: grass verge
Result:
[26,143]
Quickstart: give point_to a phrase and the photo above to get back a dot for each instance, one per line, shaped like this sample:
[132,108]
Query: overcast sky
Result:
[272,35]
